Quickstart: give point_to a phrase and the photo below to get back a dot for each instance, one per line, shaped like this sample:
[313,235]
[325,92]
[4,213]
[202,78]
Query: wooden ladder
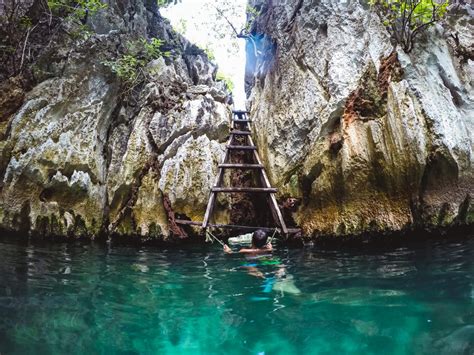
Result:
[240,118]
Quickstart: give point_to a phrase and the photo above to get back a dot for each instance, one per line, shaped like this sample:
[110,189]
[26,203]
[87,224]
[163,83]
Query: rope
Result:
[215,238]
[271,238]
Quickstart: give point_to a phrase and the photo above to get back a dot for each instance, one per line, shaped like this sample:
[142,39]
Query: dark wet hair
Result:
[259,238]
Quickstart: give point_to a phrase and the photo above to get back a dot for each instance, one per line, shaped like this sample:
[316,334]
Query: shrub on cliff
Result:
[78,9]
[220,76]
[26,28]
[129,67]
[406,19]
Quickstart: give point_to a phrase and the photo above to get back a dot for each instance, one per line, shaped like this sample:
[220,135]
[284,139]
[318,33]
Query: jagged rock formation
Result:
[77,157]
[366,138]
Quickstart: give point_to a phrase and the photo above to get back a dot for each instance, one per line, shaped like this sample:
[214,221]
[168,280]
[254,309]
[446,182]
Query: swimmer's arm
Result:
[265,249]
[228,250]
[250,251]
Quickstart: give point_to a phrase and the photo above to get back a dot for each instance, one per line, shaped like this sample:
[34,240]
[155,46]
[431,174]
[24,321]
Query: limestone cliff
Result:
[79,157]
[365,138]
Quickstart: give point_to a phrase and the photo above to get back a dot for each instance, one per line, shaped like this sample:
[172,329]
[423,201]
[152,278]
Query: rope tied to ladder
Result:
[273,235]
[209,234]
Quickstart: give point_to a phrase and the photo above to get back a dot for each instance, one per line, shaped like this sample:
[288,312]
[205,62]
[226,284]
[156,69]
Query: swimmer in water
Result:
[260,244]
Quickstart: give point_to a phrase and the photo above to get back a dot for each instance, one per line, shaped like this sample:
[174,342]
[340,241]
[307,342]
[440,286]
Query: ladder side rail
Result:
[266,183]
[219,180]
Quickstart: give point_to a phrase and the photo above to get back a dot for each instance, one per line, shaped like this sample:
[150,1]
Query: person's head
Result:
[259,238]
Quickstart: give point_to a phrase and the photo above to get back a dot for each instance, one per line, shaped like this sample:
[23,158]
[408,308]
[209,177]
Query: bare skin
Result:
[251,270]
[252,250]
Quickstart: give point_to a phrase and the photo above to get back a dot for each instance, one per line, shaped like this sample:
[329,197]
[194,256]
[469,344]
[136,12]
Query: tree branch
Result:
[228,21]
[24,45]
[240,34]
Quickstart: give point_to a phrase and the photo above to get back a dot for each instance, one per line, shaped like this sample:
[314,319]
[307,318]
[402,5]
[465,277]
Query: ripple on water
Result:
[92,298]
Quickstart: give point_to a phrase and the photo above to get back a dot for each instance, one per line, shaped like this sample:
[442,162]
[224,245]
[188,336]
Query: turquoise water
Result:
[101,299]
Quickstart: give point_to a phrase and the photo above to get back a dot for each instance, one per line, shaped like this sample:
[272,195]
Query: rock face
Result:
[368,139]
[78,157]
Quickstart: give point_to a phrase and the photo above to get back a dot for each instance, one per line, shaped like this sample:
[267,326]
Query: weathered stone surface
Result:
[360,137]
[56,159]
[79,158]
[188,176]
[368,139]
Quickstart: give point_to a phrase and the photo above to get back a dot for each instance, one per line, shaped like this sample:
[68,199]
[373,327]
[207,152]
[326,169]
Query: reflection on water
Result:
[57,298]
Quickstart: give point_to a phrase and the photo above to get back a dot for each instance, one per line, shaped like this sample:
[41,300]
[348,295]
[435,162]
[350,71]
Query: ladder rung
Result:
[239,111]
[241,166]
[241,121]
[241,147]
[233,226]
[244,189]
[243,133]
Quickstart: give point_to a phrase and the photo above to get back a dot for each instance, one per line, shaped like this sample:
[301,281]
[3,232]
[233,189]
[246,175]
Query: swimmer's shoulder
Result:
[255,251]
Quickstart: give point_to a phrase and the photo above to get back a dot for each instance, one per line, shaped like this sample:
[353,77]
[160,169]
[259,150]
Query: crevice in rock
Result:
[125,213]
[306,181]
[175,230]
[289,206]
[463,211]
[291,21]
[63,193]
[301,63]
[114,122]
[441,171]
[416,210]
[443,213]
[168,97]
[336,141]
[323,29]
[12,94]
[377,177]
[21,221]
[246,208]
[464,54]
[130,200]
[456,97]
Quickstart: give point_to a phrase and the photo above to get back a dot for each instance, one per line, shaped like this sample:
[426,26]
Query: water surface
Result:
[91,298]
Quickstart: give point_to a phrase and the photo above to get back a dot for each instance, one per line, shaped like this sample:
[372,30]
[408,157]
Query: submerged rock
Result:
[461,341]
[367,138]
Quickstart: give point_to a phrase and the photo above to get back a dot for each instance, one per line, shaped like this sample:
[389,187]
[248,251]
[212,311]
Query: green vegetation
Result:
[129,66]
[227,81]
[82,32]
[252,14]
[406,19]
[25,29]
[79,9]
[209,52]
[164,3]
